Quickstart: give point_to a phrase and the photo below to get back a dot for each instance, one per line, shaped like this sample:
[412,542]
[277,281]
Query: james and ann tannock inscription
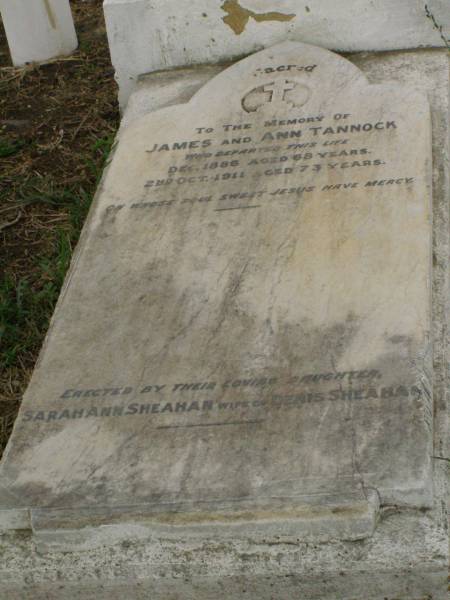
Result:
[248,318]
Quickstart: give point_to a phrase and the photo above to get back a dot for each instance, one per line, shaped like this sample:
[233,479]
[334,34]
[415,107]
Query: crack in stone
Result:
[238,17]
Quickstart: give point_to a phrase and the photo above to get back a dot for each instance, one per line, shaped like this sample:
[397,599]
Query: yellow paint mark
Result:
[238,17]
[50,13]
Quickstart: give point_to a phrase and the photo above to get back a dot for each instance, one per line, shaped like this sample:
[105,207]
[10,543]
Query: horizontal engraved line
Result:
[237,208]
[210,424]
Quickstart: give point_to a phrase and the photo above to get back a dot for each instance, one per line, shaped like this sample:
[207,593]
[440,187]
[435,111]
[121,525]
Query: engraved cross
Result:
[278,90]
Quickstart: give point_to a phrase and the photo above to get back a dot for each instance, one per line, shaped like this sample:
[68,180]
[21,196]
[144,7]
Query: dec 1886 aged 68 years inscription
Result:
[245,333]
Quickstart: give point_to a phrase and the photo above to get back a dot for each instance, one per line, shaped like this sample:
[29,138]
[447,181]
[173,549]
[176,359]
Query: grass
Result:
[9,149]
[25,311]
[27,303]
[57,125]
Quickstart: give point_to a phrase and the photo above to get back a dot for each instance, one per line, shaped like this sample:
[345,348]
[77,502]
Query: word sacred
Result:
[287,68]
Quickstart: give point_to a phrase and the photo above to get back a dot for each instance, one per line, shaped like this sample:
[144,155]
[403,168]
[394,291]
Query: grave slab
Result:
[242,351]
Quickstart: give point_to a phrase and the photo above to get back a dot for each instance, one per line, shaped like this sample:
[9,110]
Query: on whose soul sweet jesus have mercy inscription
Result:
[248,320]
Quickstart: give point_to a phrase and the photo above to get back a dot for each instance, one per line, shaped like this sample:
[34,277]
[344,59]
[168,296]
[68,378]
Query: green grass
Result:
[101,151]
[27,303]
[75,202]
[10,148]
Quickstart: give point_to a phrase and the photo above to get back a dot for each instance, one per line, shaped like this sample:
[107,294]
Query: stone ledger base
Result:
[407,556]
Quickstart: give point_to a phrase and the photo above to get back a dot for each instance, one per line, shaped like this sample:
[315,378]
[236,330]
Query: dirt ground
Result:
[57,123]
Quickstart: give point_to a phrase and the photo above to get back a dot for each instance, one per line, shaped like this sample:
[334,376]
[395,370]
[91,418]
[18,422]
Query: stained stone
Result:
[243,348]
[152,35]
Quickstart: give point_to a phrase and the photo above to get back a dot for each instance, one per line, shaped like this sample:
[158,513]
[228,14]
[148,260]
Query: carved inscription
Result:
[304,147]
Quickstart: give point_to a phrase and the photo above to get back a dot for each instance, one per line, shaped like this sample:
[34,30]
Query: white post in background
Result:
[38,30]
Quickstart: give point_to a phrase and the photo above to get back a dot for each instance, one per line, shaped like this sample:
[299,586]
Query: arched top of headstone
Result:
[291,79]
[291,74]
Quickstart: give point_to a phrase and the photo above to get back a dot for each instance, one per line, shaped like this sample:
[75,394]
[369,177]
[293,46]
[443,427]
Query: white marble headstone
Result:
[245,333]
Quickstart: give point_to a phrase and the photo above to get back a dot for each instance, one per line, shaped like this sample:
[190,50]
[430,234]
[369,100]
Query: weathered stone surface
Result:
[403,557]
[148,36]
[246,331]
[402,561]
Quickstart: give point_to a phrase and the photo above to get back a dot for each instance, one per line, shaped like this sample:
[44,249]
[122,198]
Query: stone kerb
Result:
[149,36]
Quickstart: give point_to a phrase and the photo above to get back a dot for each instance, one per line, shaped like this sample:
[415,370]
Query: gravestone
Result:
[38,31]
[242,350]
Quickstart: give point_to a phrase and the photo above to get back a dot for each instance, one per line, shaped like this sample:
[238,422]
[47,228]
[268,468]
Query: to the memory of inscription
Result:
[258,158]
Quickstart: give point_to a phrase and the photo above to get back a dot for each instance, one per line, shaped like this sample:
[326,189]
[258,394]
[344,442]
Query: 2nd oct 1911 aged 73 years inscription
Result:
[252,298]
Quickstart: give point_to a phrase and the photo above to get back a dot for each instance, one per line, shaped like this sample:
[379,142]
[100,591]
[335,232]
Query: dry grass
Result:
[57,122]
